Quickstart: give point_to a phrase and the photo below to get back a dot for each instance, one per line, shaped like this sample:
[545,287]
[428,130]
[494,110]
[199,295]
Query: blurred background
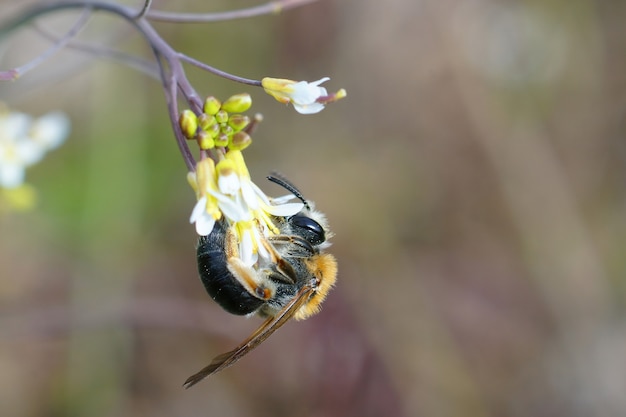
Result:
[474,178]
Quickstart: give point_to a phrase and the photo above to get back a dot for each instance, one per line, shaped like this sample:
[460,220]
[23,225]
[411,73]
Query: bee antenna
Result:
[283,182]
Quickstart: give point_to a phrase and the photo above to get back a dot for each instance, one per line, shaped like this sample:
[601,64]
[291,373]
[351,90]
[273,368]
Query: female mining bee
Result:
[293,283]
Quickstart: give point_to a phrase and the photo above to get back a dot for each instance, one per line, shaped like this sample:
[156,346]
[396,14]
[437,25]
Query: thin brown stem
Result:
[216,71]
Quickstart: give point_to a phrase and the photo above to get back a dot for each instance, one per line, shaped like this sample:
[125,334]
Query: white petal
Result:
[306,94]
[235,212]
[260,193]
[205,224]
[29,152]
[246,248]
[14,125]
[250,195]
[283,210]
[229,184]
[308,108]
[282,199]
[197,210]
[51,130]
[320,81]
[11,175]
[262,252]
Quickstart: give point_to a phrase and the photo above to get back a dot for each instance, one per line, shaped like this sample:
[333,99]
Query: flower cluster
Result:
[220,124]
[24,141]
[221,179]
[225,189]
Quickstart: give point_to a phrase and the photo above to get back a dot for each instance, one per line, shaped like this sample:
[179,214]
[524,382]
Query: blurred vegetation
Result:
[474,178]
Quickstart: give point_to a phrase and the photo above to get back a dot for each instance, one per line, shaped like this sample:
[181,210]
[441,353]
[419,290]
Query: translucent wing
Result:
[272,324]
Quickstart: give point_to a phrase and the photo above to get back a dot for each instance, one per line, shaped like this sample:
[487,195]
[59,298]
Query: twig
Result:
[216,71]
[99,51]
[267,8]
[17,72]
[144,10]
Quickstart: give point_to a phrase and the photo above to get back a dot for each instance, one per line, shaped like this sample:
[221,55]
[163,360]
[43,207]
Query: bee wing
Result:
[272,324]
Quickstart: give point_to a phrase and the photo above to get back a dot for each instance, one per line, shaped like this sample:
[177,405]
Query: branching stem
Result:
[172,74]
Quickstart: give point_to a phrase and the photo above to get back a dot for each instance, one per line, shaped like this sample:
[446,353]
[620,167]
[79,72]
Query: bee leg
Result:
[284,270]
[248,278]
[244,274]
[296,246]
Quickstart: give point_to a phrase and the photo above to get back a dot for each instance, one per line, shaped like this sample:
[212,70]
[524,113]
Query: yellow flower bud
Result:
[238,122]
[221,116]
[211,105]
[214,130]
[237,103]
[206,121]
[221,140]
[188,123]
[227,130]
[239,141]
[205,141]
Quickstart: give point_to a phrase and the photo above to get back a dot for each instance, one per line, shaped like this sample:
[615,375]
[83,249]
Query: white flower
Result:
[23,142]
[307,98]
[227,190]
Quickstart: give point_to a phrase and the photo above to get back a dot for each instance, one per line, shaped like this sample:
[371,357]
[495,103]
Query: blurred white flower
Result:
[24,142]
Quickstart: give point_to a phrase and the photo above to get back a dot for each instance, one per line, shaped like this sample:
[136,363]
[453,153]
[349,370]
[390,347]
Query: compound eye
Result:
[309,229]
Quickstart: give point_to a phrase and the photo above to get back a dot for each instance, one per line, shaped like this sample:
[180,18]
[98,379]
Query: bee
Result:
[293,283]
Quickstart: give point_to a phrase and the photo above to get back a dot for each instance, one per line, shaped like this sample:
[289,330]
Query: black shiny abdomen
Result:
[219,282]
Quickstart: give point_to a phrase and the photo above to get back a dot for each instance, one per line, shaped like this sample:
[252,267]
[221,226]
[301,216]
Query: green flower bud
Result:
[237,103]
[227,130]
[205,140]
[238,121]
[214,130]
[221,140]
[239,141]
[188,123]
[211,105]
[221,116]
[206,121]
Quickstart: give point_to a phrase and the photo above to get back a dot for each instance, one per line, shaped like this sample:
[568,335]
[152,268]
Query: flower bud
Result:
[238,122]
[239,141]
[206,121]
[213,130]
[205,141]
[188,123]
[221,116]
[221,140]
[226,130]
[237,103]
[211,105]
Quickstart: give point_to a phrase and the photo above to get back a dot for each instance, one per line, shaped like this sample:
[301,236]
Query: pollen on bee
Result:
[324,267]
